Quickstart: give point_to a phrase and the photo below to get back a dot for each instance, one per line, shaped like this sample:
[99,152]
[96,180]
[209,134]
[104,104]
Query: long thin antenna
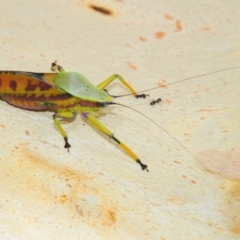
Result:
[179,81]
[164,130]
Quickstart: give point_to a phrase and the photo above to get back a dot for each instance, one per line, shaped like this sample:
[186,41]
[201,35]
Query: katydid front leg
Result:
[68,116]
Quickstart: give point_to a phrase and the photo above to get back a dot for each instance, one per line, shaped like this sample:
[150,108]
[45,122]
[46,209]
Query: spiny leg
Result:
[104,130]
[124,82]
[68,116]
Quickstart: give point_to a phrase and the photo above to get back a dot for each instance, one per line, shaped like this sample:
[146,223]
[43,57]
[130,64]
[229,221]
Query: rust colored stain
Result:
[111,216]
[142,39]
[129,45]
[179,26]
[102,10]
[27,132]
[81,199]
[205,110]
[224,164]
[163,83]
[168,101]
[230,210]
[159,34]
[13,85]
[0,82]
[169,17]
[132,66]
[206,29]
[63,198]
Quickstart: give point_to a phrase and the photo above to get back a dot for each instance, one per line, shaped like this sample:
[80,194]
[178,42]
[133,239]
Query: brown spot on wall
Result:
[159,34]
[169,17]
[142,39]
[163,83]
[27,133]
[205,110]
[111,216]
[176,161]
[230,210]
[167,100]
[179,26]
[206,29]
[63,198]
[102,10]
[225,164]
[132,66]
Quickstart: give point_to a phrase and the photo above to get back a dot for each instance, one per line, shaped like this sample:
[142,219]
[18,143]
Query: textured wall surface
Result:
[96,191]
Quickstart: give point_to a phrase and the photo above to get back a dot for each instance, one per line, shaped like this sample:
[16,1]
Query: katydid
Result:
[65,94]
[69,93]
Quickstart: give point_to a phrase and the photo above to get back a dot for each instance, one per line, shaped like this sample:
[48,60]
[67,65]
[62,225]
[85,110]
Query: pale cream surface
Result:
[96,191]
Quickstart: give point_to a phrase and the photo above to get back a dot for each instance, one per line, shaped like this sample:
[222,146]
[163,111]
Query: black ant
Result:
[153,102]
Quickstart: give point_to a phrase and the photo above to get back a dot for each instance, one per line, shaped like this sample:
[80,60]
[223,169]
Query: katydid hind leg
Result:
[96,123]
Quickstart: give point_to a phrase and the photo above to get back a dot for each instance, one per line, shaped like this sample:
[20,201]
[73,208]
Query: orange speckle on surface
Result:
[206,28]
[202,118]
[176,161]
[193,181]
[27,132]
[111,216]
[162,84]
[129,45]
[230,208]
[179,26]
[225,130]
[63,198]
[169,17]
[43,184]
[168,101]
[134,67]
[143,39]
[225,164]
[205,110]
[159,34]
